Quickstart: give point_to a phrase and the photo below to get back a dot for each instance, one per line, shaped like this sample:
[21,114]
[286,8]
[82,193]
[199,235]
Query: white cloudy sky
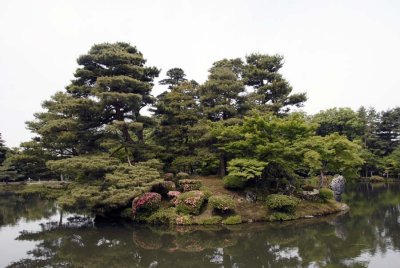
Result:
[342,53]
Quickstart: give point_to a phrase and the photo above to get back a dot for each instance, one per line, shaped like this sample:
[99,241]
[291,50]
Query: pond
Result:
[34,233]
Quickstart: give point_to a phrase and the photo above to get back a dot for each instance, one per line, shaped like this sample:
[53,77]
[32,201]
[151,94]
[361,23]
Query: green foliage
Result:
[182,176]
[207,192]
[88,167]
[333,153]
[245,168]
[282,203]
[233,182]
[163,216]
[190,202]
[391,163]
[341,120]
[117,190]
[231,220]
[221,202]
[325,194]
[210,220]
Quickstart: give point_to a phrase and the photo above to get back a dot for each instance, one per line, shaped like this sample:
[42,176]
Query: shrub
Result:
[233,182]
[184,220]
[147,202]
[282,203]
[233,220]
[308,187]
[325,194]
[222,203]
[189,185]
[246,168]
[163,216]
[173,195]
[182,175]
[210,220]
[377,179]
[207,192]
[169,176]
[190,202]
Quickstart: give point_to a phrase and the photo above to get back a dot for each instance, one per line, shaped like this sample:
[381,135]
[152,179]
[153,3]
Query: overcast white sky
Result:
[342,53]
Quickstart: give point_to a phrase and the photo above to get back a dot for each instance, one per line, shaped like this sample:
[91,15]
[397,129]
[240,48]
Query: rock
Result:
[337,185]
[251,197]
[310,195]
[308,216]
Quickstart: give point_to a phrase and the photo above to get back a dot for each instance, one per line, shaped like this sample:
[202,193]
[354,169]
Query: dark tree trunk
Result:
[222,165]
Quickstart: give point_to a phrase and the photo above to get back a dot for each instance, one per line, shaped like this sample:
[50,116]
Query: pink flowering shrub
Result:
[173,195]
[146,202]
[190,185]
[190,202]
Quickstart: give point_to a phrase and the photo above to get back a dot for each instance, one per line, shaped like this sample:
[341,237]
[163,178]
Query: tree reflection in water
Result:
[370,228]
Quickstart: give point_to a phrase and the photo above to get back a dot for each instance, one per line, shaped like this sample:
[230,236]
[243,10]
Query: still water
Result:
[34,233]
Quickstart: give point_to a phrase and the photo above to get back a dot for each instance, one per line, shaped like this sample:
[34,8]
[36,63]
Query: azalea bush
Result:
[190,202]
[147,202]
[189,185]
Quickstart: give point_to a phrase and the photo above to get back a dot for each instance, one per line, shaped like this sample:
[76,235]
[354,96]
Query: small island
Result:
[233,149]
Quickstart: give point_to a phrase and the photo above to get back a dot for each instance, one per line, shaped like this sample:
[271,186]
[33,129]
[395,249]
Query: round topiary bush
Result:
[146,202]
[190,202]
[233,182]
[189,185]
[325,194]
[182,175]
[376,179]
[282,203]
[222,203]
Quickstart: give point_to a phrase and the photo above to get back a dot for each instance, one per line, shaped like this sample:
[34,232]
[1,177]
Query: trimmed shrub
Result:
[376,179]
[182,175]
[190,202]
[221,202]
[308,188]
[169,176]
[184,220]
[233,182]
[207,192]
[282,203]
[173,195]
[210,220]
[146,202]
[237,219]
[189,185]
[163,216]
[325,194]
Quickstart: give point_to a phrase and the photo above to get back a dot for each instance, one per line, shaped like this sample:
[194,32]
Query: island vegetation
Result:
[232,149]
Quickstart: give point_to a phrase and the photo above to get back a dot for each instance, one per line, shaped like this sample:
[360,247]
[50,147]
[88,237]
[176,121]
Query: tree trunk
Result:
[322,180]
[222,164]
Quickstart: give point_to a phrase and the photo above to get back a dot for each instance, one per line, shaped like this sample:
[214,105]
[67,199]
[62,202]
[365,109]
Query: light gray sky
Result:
[342,53]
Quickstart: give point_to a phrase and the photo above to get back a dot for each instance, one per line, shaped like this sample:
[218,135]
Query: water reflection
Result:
[368,235]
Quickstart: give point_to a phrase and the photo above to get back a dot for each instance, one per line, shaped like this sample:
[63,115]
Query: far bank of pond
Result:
[35,233]
[245,206]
